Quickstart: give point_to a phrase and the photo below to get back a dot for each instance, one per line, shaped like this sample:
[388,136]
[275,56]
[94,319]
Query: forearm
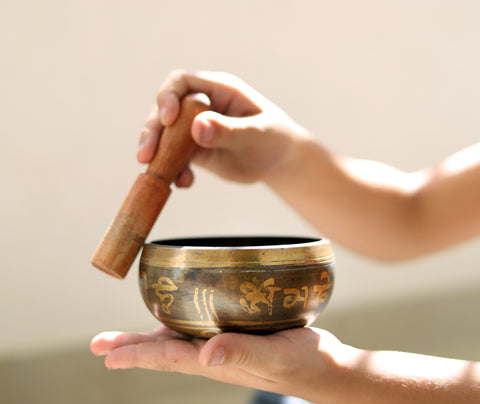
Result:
[377,210]
[398,377]
[372,218]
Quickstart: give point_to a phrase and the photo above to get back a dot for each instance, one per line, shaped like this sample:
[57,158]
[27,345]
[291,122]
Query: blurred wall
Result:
[391,81]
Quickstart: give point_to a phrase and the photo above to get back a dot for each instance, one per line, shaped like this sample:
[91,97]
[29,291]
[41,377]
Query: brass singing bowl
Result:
[256,285]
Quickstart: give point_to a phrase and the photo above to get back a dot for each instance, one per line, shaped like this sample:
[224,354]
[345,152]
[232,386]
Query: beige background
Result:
[390,81]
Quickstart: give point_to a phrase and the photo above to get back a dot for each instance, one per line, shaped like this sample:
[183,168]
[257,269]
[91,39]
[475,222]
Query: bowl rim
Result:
[305,250]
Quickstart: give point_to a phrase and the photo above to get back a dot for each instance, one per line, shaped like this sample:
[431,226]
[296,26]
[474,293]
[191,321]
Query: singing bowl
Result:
[256,285]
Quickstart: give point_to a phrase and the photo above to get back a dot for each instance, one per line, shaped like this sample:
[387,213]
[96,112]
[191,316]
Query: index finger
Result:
[150,136]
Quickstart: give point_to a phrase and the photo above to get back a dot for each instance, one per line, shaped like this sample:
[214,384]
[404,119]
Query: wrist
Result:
[345,374]
[298,151]
[332,371]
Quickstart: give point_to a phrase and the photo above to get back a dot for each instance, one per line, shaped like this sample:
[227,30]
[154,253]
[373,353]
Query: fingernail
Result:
[145,139]
[207,132]
[217,357]
[109,365]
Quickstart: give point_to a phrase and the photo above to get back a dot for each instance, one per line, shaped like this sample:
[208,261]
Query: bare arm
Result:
[399,377]
[379,211]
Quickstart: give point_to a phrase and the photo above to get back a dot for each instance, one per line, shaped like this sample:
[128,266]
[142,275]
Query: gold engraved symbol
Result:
[163,285]
[208,307]
[322,289]
[255,295]
[293,296]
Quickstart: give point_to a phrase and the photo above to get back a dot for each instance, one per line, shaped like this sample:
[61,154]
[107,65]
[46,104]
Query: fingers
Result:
[169,105]
[185,178]
[213,130]
[169,354]
[150,136]
[162,349]
[167,109]
[229,95]
[106,342]
[161,116]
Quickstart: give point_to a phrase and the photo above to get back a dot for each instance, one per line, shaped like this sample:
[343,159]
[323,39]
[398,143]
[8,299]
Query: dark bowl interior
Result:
[236,241]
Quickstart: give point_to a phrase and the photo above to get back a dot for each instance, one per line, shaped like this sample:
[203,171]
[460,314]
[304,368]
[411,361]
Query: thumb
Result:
[252,353]
[213,130]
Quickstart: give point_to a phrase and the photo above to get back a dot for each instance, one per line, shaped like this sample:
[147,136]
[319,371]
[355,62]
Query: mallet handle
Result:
[144,202]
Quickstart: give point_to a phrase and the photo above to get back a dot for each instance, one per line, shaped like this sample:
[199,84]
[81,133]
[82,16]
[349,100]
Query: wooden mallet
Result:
[144,202]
